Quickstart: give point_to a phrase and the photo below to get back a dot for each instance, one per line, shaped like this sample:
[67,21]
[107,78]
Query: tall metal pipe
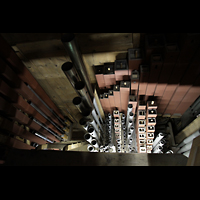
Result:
[72,48]
[77,101]
[47,129]
[71,73]
[97,109]
[83,93]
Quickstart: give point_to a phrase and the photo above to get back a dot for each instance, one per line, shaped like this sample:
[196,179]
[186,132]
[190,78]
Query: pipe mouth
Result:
[67,37]
[67,66]
[129,133]
[130,105]
[87,136]
[131,114]
[91,148]
[86,113]
[79,85]
[82,121]
[90,129]
[76,100]
[93,142]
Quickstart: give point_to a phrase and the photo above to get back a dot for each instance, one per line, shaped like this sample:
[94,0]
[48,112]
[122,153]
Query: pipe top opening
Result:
[79,85]
[67,66]
[67,37]
[76,100]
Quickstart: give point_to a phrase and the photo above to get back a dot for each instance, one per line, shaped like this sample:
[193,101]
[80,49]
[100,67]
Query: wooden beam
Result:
[187,131]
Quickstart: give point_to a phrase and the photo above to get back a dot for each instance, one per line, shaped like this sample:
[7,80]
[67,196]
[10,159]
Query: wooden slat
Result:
[187,131]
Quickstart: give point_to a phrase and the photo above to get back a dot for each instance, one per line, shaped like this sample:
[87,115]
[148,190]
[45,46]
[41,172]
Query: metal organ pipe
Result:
[77,101]
[88,137]
[157,139]
[71,73]
[97,109]
[71,46]
[82,91]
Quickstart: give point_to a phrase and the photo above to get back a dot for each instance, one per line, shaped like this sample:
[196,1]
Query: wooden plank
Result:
[187,131]
[194,157]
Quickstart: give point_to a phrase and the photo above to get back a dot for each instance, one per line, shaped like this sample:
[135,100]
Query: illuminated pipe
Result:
[97,109]
[88,137]
[187,153]
[94,143]
[130,116]
[109,116]
[96,119]
[186,147]
[89,116]
[158,149]
[129,135]
[157,139]
[130,108]
[92,132]
[131,129]
[169,152]
[73,50]
[90,148]
[189,139]
[130,122]
[160,143]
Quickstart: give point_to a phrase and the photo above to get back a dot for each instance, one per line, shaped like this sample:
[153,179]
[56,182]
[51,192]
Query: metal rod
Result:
[46,117]
[44,138]
[49,130]
[71,46]
[50,109]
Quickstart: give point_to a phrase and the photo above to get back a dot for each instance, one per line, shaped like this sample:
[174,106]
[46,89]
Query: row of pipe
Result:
[77,75]
[131,136]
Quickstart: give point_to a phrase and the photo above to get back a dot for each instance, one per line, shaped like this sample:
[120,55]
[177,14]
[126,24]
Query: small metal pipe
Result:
[71,46]
[88,137]
[94,143]
[90,148]
[157,139]
[92,132]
